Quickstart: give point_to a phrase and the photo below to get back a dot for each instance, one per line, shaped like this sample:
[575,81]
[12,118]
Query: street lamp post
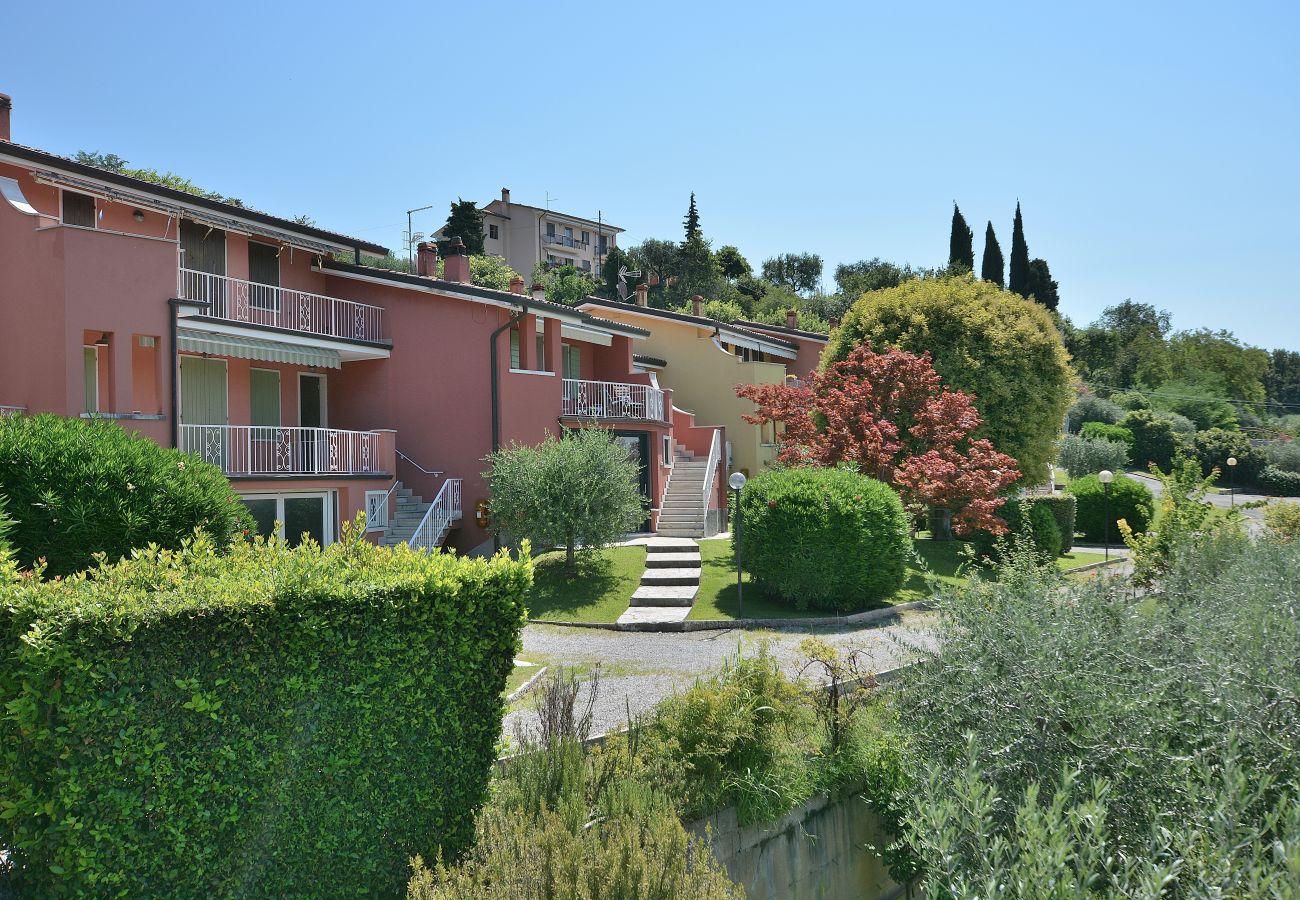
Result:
[1232,490]
[1106,476]
[736,482]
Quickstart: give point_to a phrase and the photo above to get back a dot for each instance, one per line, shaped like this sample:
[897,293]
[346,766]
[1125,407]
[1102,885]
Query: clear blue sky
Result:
[1155,147]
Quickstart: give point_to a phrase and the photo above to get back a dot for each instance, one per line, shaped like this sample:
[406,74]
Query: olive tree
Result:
[578,491]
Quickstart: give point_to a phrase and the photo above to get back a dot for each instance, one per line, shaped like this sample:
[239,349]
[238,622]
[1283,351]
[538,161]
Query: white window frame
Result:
[327,512]
[666,452]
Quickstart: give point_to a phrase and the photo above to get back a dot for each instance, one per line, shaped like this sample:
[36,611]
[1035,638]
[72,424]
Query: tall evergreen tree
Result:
[466,223]
[961,252]
[1018,273]
[1041,286]
[991,268]
[692,221]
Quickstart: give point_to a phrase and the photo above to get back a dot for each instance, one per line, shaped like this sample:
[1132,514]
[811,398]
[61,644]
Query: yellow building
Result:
[703,360]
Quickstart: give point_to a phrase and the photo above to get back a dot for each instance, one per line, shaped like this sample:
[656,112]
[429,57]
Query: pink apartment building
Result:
[322,388]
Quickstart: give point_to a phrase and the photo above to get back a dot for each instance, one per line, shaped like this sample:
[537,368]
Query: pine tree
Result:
[1041,286]
[466,223]
[991,269]
[692,221]
[1018,272]
[961,252]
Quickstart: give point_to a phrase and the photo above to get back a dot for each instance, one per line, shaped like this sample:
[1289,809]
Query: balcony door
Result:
[264,405]
[203,250]
[311,414]
[264,273]
[203,403]
[637,445]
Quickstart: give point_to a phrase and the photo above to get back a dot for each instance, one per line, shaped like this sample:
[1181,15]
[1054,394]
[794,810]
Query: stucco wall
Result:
[817,851]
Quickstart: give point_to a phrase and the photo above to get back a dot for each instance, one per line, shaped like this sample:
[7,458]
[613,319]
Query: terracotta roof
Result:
[42,157]
[701,321]
[486,293]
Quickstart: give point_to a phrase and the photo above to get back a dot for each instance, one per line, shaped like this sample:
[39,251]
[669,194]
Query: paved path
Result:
[1254,517]
[638,669]
[669,584]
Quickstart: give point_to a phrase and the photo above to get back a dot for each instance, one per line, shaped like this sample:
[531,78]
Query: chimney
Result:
[697,304]
[539,292]
[505,196]
[516,285]
[6,104]
[426,259]
[791,318]
[456,266]
[642,294]
[834,322]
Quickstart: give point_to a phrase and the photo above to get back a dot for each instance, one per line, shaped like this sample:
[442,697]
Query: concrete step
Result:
[680,515]
[670,576]
[665,595]
[653,615]
[673,560]
[671,546]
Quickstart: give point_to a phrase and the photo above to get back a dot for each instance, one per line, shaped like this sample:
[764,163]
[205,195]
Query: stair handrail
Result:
[715,456]
[434,472]
[443,510]
[383,506]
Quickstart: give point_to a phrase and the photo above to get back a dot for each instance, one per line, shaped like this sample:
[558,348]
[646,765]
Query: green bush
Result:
[1283,519]
[1101,430]
[1279,482]
[1154,438]
[825,538]
[1129,500]
[79,487]
[1213,447]
[1091,408]
[1081,456]
[1025,520]
[1284,455]
[1064,508]
[1130,400]
[269,722]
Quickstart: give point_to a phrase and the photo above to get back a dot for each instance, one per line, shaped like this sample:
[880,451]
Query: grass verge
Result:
[596,590]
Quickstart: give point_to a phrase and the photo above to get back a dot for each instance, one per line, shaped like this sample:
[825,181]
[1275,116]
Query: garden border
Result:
[861,618]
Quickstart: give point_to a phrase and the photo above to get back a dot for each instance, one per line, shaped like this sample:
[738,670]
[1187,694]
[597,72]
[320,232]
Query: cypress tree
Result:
[466,223]
[692,221]
[961,252]
[1018,272]
[1041,286]
[991,268]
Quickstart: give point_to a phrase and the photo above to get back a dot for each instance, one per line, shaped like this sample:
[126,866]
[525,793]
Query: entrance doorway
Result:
[637,445]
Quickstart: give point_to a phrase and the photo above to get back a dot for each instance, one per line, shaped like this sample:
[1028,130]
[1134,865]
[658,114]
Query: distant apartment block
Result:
[526,235]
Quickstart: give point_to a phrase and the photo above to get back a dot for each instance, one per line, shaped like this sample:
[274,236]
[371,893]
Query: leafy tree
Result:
[691,223]
[1079,455]
[724,310]
[698,271]
[615,259]
[801,272]
[491,272]
[659,262]
[890,416]
[731,263]
[1214,447]
[1041,286]
[465,222]
[991,267]
[114,163]
[1091,408]
[1124,348]
[580,490]
[1018,278]
[961,252]
[1154,439]
[1200,398]
[855,279]
[1282,380]
[564,284]
[1181,513]
[1240,368]
[1001,349]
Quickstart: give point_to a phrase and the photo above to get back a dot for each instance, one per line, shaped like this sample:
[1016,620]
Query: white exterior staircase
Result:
[684,510]
[413,512]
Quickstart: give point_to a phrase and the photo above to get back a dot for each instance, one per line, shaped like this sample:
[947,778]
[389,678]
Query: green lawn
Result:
[1076,558]
[717,596]
[598,590]
[520,675]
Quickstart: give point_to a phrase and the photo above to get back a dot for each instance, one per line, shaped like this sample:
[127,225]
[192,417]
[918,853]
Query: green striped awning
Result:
[190,341]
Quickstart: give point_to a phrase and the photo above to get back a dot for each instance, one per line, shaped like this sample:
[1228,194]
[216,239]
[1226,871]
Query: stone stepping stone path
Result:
[669,584]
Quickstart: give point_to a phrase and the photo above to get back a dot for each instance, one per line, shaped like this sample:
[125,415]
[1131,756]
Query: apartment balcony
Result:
[563,240]
[612,400]
[242,302]
[274,451]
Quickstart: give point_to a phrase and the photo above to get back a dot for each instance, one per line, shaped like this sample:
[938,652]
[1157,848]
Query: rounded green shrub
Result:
[1215,445]
[1107,432]
[1091,408]
[79,487]
[1044,531]
[824,538]
[1279,482]
[1154,439]
[1129,500]
[1025,518]
[1064,509]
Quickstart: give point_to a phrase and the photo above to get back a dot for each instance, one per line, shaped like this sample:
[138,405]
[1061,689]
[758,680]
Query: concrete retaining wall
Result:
[817,851]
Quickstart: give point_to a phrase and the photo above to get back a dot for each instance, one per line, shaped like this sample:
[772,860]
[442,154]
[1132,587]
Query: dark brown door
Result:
[203,250]
[264,273]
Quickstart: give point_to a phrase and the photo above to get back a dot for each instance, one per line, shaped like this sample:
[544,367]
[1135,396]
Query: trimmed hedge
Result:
[1279,482]
[269,722]
[825,538]
[82,486]
[1106,432]
[1129,500]
[1024,518]
[1064,509]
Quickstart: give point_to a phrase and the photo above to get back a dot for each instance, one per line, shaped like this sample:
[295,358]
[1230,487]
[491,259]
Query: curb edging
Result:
[861,618]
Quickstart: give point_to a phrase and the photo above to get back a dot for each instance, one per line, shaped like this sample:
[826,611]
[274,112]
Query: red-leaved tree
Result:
[888,414]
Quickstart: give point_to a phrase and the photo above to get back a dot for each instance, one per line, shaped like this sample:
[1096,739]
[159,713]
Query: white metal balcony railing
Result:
[565,240]
[612,400]
[275,450]
[236,300]
[11,410]
[715,457]
[438,519]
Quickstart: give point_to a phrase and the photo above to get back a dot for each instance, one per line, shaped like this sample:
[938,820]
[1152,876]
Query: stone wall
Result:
[817,851]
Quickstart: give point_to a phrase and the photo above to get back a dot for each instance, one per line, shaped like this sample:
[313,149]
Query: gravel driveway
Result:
[638,669]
